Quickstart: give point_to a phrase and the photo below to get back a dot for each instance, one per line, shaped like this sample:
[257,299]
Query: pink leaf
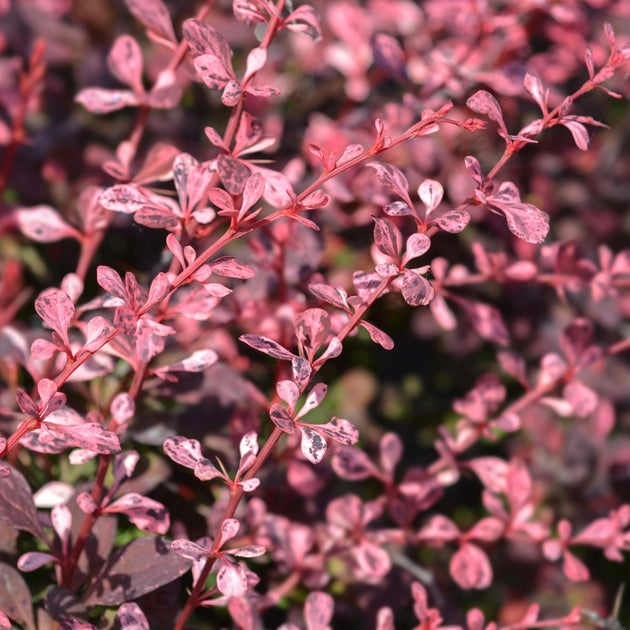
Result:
[26,403]
[440,529]
[154,15]
[330,293]
[231,579]
[90,436]
[183,450]
[318,610]
[393,178]
[250,12]
[125,62]
[314,398]
[340,430]
[44,225]
[313,445]
[482,102]
[159,289]
[190,550]
[431,193]
[373,561]
[101,101]
[304,20]
[389,55]
[583,399]
[57,310]
[453,221]
[398,209]
[268,346]
[474,168]
[213,71]
[487,321]
[203,39]
[416,289]
[123,198]
[387,237]
[470,567]
[157,218]
[146,514]
[111,282]
[377,335]
[312,329]
[250,551]
[574,568]
[131,617]
[535,87]
[34,560]
[352,464]
[579,133]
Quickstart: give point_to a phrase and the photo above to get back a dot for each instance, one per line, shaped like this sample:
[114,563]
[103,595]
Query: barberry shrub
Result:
[313,315]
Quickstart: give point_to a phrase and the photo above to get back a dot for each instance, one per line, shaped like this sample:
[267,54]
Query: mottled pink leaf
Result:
[33,560]
[231,579]
[131,617]
[387,237]
[111,282]
[352,464]
[183,451]
[250,12]
[474,168]
[372,560]
[213,71]
[574,568]
[145,513]
[91,436]
[330,293]
[340,430]
[482,102]
[487,321]
[57,311]
[313,445]
[203,39]
[268,346]
[416,289]
[393,178]
[453,221]
[123,198]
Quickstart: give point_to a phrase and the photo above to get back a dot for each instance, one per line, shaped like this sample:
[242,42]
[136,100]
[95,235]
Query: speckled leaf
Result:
[15,598]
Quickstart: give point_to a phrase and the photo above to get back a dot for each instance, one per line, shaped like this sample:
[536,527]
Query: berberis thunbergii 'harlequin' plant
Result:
[208,212]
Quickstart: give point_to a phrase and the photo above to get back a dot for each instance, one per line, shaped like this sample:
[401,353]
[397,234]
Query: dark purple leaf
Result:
[389,56]
[137,568]
[16,505]
[15,598]
[63,604]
